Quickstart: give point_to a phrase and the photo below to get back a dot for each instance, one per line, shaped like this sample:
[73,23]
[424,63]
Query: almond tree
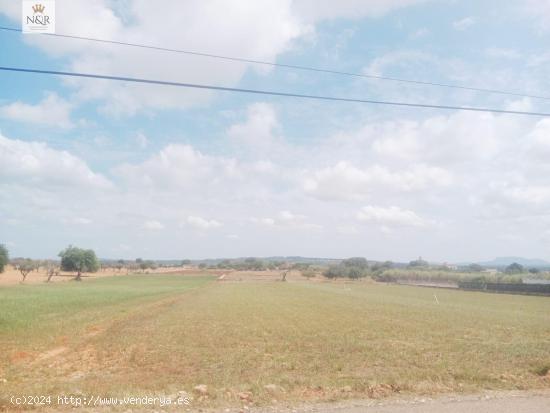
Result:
[51,270]
[26,266]
[79,260]
[4,257]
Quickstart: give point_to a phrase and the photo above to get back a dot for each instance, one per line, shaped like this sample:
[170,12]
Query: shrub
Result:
[353,268]
[4,257]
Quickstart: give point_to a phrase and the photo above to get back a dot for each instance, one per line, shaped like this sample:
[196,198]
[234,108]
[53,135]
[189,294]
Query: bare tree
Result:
[285,272]
[286,268]
[51,270]
[26,266]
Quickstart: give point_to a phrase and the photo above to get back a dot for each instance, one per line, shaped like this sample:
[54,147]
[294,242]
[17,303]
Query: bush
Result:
[356,262]
[353,268]
[308,272]
[332,272]
[4,257]
[514,268]
[419,263]
[474,268]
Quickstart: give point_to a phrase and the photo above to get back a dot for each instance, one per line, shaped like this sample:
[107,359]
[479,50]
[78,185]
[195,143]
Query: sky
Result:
[170,173]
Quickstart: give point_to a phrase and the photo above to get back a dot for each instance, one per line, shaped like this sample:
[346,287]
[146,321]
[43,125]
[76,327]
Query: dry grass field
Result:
[265,343]
[12,276]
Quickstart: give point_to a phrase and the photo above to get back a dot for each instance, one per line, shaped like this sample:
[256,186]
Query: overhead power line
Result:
[289,66]
[265,92]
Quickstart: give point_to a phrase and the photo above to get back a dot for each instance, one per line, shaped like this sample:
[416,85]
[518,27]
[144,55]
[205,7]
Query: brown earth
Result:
[11,276]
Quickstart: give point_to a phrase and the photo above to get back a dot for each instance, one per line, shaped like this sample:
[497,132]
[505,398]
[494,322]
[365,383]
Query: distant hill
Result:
[526,262]
[290,259]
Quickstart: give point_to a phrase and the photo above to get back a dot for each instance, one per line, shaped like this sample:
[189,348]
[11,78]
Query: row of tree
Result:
[72,259]
[247,264]
[356,267]
[138,265]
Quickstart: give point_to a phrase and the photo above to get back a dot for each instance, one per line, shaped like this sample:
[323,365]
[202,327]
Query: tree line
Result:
[77,260]
[72,259]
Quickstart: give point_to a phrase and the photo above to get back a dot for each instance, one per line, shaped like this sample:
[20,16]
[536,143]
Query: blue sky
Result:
[158,172]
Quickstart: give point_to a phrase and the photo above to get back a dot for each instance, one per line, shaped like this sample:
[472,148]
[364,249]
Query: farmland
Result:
[259,342]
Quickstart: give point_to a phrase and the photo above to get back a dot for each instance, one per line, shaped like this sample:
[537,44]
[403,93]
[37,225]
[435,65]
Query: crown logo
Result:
[38,8]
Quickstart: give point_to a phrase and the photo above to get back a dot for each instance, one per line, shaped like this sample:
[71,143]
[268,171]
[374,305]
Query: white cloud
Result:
[36,164]
[347,230]
[419,33]
[202,223]
[530,194]
[153,225]
[446,157]
[538,140]
[260,30]
[399,58]
[464,23]
[258,131]
[52,111]
[345,181]
[460,137]
[82,221]
[287,220]
[269,222]
[123,247]
[141,140]
[422,161]
[390,216]
[503,53]
[178,167]
[524,104]
[288,216]
[316,10]
[539,10]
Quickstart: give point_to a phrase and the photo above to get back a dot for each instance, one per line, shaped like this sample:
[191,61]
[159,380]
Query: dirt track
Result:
[490,402]
[487,402]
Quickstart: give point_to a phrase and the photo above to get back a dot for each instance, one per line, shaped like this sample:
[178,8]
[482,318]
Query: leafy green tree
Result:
[225,264]
[4,257]
[514,268]
[379,267]
[353,268]
[146,265]
[119,264]
[254,264]
[358,262]
[474,268]
[79,260]
[418,263]
[332,271]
